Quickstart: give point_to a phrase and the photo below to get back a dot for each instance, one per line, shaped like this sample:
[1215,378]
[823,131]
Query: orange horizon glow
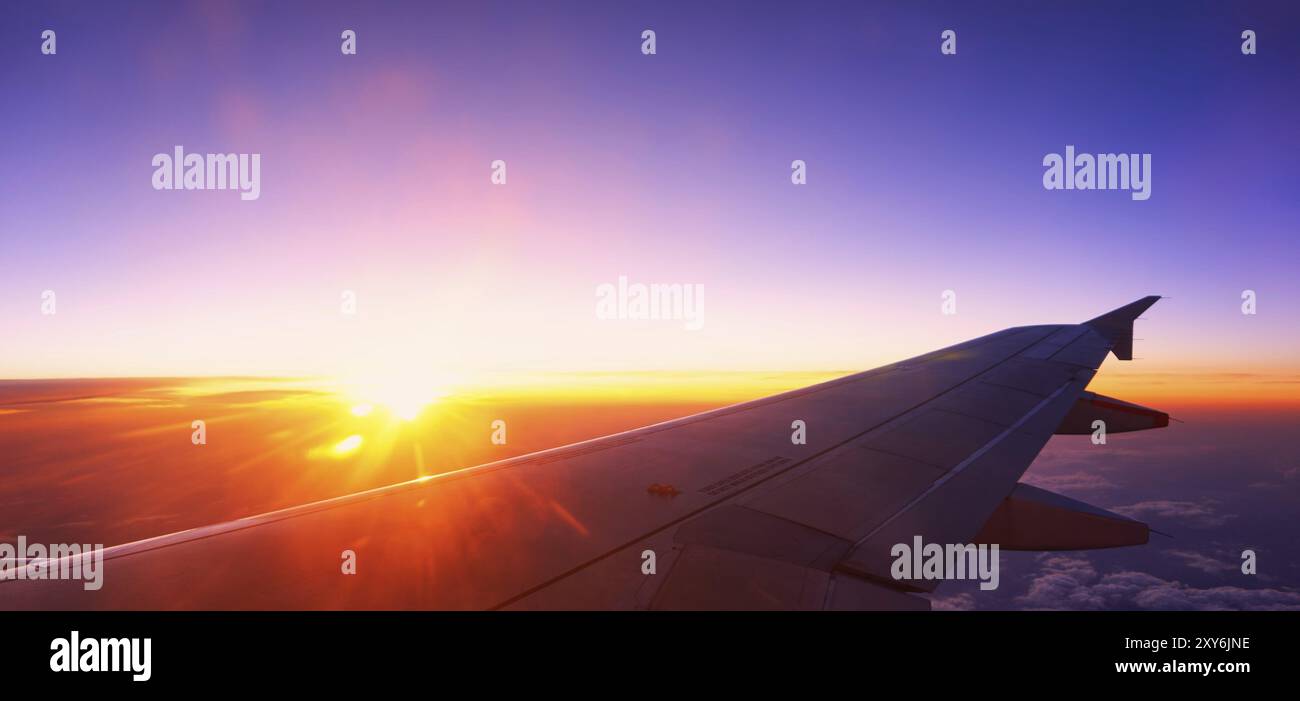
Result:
[275,443]
[407,399]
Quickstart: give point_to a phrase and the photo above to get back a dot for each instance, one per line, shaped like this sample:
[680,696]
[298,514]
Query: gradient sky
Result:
[924,175]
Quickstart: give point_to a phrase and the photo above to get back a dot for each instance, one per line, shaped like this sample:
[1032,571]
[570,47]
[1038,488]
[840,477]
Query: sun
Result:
[408,405]
[402,395]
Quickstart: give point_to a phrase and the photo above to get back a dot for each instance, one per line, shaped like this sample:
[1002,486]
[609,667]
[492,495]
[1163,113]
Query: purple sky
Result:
[924,175]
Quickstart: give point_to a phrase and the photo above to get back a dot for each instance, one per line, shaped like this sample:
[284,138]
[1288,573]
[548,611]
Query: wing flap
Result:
[1119,416]
[951,511]
[1031,518]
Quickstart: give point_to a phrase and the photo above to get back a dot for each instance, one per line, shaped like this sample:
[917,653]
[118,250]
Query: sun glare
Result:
[403,395]
[349,444]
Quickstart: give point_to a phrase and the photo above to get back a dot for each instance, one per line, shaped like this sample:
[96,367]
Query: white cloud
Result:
[1202,514]
[1071,582]
[1201,561]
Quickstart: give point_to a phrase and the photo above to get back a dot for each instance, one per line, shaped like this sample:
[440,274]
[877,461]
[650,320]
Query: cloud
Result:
[956,602]
[1063,583]
[1073,482]
[1069,582]
[1203,514]
[1285,474]
[1176,596]
[1202,562]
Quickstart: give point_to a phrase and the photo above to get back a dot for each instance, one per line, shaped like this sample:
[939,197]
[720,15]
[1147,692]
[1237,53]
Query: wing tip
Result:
[1125,314]
[1117,325]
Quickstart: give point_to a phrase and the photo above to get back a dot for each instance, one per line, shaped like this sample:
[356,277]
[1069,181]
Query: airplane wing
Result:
[722,510]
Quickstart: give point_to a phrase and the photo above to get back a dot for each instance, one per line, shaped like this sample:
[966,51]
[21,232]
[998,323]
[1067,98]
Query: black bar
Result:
[205,650]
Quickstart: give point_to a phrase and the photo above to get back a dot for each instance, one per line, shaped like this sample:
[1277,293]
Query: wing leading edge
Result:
[718,510]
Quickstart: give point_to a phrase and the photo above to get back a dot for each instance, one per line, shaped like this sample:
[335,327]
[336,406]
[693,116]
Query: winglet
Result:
[1117,326]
